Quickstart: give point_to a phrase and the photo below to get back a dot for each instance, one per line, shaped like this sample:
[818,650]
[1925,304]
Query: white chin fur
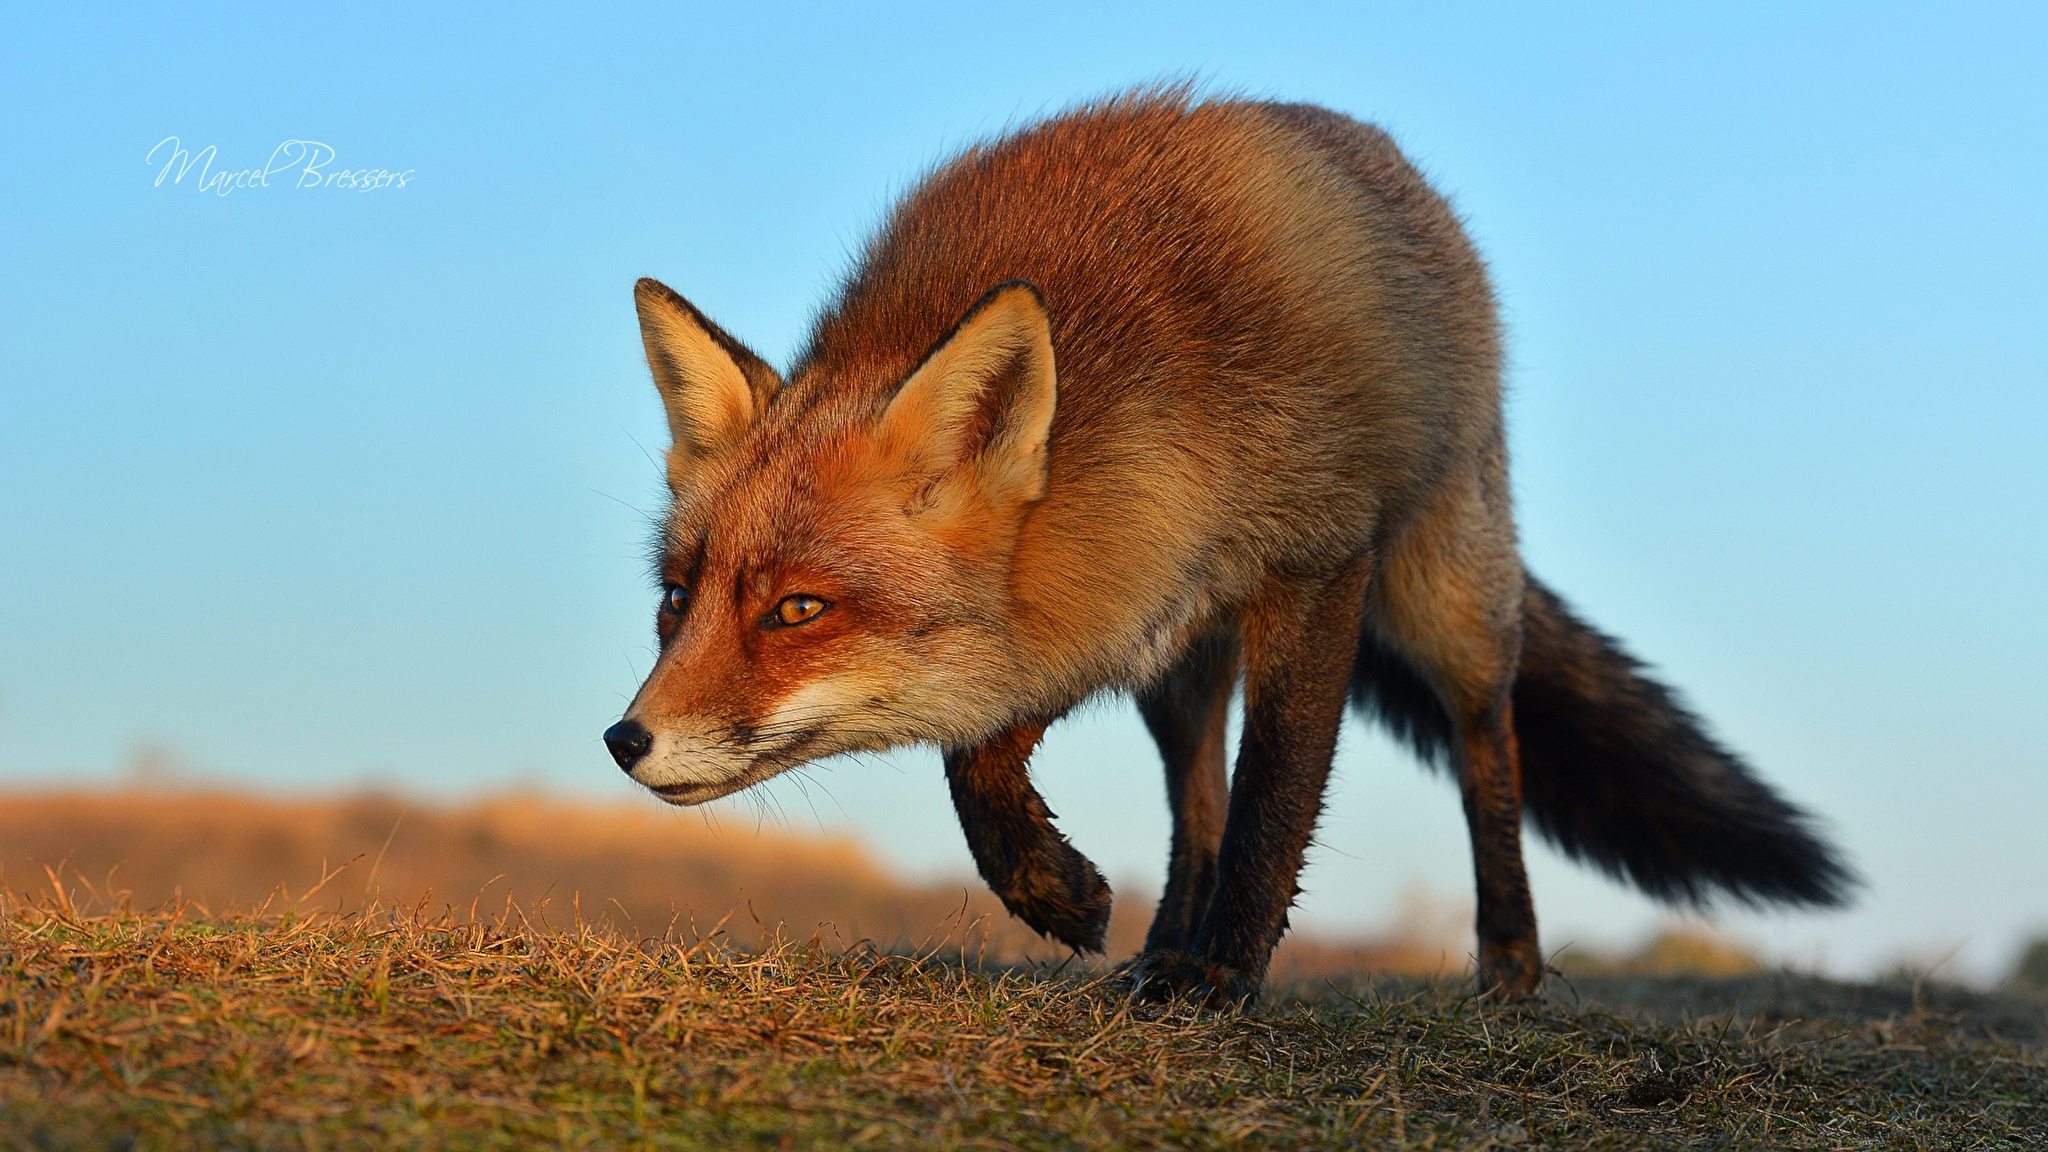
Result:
[688,769]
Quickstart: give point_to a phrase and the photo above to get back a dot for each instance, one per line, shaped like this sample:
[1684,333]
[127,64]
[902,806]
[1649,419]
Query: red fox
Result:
[1151,397]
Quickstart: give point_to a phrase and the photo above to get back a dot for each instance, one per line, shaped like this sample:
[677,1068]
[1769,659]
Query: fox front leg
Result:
[1042,879]
[1187,713]
[1299,640]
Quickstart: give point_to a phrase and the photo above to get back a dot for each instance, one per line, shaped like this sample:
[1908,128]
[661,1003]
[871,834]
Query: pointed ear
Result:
[982,400]
[712,387]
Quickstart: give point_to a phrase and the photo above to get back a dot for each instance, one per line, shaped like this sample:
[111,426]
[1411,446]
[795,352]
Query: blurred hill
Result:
[642,868]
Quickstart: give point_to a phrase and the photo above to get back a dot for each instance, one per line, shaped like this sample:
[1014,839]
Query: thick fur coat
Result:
[1155,396]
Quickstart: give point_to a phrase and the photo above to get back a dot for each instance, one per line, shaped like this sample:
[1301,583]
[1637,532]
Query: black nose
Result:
[628,742]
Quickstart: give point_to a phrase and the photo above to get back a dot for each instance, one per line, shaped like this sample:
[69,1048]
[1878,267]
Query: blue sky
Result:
[319,486]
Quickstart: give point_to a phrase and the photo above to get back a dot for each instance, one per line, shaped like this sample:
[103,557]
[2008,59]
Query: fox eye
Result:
[674,598]
[798,609]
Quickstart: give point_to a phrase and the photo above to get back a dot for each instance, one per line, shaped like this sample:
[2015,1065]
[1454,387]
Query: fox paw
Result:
[1163,976]
[1510,970]
[1061,895]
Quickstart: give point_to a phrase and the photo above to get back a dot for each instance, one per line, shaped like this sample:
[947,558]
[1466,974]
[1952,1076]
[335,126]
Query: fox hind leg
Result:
[1187,713]
[1448,609]
[1490,785]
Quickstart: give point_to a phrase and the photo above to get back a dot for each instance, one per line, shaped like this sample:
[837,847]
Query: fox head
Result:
[835,561]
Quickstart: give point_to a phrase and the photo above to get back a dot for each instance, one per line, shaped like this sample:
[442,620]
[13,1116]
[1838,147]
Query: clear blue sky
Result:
[319,486]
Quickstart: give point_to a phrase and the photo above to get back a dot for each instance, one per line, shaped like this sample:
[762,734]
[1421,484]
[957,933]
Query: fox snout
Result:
[628,741]
[688,760]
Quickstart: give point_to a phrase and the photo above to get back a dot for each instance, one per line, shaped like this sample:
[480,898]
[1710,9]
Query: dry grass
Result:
[381,1029]
[331,1018]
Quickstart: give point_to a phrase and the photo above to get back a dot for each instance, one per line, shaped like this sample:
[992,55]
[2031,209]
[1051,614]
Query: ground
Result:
[385,1028]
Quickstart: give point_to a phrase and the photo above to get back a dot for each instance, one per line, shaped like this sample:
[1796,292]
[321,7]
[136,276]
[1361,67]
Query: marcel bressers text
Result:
[294,163]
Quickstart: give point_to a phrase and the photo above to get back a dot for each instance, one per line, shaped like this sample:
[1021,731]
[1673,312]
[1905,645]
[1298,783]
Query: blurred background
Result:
[308,492]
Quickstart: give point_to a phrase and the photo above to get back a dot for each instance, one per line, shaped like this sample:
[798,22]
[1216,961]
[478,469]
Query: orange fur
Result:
[1101,399]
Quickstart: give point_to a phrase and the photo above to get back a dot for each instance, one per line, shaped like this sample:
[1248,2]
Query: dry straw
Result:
[272,1026]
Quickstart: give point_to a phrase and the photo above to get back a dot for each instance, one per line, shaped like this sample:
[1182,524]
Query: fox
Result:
[1161,396]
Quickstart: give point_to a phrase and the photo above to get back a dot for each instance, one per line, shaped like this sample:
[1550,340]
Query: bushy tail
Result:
[1616,772]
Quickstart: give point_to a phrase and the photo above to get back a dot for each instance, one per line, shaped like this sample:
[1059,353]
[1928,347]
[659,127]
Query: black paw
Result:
[1510,969]
[1060,894]
[1161,976]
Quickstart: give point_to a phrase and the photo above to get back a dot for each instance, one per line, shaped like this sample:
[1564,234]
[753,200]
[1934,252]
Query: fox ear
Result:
[712,387]
[982,399]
